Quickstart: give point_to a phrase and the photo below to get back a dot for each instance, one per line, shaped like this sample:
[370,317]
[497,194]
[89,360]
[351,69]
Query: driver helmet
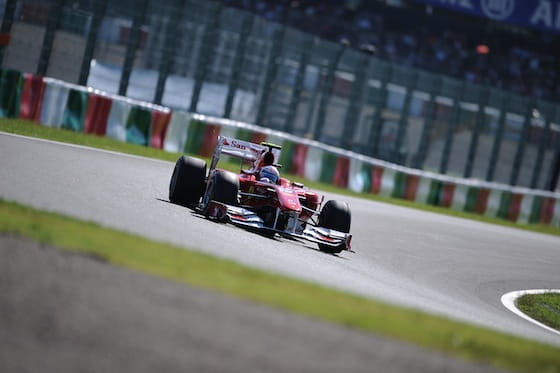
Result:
[269,174]
[267,159]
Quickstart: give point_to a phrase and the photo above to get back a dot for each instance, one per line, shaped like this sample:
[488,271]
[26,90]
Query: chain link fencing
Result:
[202,56]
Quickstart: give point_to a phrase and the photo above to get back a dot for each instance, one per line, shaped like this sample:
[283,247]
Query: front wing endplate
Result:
[240,216]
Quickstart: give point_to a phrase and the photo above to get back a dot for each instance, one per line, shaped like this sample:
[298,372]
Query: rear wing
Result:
[244,150]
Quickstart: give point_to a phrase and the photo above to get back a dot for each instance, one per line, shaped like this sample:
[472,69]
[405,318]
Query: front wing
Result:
[240,216]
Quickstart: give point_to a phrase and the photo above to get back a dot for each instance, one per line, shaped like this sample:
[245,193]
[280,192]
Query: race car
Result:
[258,198]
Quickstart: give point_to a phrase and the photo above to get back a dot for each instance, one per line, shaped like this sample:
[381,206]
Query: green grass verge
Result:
[28,128]
[297,296]
[542,307]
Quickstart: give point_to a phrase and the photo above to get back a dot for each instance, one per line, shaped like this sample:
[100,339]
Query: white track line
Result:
[508,300]
[70,145]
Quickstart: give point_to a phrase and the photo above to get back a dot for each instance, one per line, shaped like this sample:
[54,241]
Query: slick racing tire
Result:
[223,187]
[187,182]
[334,215]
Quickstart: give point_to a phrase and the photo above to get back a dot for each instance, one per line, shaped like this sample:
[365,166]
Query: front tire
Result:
[335,215]
[223,187]
[187,181]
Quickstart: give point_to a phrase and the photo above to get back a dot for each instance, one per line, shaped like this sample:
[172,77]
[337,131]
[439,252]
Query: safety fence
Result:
[206,57]
[58,104]
[55,103]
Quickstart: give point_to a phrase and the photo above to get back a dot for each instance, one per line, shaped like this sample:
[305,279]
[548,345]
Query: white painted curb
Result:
[508,300]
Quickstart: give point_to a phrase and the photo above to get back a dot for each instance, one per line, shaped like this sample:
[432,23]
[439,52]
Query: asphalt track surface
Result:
[66,312]
[440,264]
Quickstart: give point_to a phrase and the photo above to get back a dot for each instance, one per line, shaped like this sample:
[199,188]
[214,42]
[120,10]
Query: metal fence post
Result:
[55,14]
[403,120]
[166,58]
[7,22]
[497,139]
[479,125]
[208,41]
[544,136]
[354,110]
[270,74]
[554,174]
[132,45]
[98,14]
[428,123]
[300,76]
[521,145]
[328,88]
[311,112]
[444,162]
[377,120]
[235,76]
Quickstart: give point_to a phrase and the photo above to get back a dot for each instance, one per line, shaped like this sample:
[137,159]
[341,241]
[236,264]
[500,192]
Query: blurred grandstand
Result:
[477,49]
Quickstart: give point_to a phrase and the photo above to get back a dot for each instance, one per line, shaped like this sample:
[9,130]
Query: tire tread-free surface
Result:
[187,181]
[225,186]
[335,215]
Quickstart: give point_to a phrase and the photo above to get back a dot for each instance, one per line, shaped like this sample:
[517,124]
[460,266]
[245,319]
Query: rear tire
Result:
[224,188]
[188,181]
[335,215]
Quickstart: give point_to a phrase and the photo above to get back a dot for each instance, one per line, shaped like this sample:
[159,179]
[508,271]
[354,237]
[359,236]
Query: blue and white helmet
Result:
[269,174]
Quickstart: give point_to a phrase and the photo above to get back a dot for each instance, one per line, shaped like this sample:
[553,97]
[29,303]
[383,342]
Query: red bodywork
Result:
[286,196]
[286,208]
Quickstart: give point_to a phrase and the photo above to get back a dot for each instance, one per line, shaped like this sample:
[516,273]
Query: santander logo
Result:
[237,145]
[498,9]
[234,144]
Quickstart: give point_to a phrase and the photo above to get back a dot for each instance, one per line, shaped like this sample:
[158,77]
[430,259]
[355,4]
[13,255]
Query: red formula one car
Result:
[258,198]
